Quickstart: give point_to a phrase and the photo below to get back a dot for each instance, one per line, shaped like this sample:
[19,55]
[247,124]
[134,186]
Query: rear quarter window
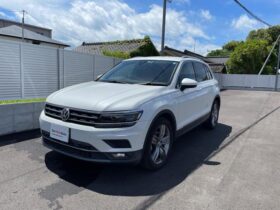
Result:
[208,72]
[200,72]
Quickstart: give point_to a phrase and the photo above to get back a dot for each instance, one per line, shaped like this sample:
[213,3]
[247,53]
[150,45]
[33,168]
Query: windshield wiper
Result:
[114,81]
[153,84]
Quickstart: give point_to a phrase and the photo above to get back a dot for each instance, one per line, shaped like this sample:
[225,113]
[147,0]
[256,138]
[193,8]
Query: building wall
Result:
[43,31]
[14,39]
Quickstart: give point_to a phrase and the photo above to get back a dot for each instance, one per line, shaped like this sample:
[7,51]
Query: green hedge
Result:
[147,48]
[16,101]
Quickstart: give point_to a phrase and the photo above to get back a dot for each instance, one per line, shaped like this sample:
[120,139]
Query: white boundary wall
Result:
[19,117]
[246,81]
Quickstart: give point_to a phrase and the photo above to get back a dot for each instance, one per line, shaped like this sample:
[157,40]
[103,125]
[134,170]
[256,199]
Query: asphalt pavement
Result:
[235,166]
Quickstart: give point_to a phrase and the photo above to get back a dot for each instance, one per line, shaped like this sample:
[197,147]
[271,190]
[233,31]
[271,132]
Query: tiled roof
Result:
[216,64]
[16,31]
[186,53]
[216,59]
[97,48]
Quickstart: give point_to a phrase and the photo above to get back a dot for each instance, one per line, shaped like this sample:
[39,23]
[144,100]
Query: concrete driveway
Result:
[236,166]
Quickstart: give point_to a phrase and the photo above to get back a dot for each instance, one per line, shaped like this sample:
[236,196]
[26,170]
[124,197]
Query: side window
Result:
[187,71]
[200,72]
[209,75]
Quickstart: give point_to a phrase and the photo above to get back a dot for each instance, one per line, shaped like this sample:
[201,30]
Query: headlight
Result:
[118,119]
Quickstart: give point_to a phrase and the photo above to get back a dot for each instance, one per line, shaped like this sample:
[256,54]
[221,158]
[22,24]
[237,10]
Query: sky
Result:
[200,25]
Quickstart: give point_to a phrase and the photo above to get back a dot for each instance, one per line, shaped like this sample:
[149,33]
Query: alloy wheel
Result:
[160,144]
[215,114]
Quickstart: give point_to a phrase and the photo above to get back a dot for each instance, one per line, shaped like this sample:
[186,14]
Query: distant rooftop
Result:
[97,48]
[217,64]
[16,23]
[211,59]
[16,31]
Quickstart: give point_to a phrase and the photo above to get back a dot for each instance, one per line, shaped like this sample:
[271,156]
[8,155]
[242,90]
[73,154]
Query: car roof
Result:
[166,58]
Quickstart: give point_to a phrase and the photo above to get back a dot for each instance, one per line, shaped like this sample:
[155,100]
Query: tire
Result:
[158,144]
[212,121]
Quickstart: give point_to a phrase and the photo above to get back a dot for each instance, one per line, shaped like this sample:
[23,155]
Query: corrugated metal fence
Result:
[30,71]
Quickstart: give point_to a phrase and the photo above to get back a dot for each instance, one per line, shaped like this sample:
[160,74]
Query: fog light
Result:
[119,155]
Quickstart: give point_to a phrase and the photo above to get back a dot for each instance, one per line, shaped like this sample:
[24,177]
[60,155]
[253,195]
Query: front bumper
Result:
[89,143]
[87,154]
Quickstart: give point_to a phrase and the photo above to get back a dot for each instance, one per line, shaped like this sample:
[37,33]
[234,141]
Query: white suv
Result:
[132,113]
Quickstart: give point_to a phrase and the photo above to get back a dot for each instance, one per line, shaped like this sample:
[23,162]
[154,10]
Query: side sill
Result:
[192,125]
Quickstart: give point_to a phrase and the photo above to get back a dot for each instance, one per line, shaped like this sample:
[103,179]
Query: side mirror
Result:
[278,71]
[188,83]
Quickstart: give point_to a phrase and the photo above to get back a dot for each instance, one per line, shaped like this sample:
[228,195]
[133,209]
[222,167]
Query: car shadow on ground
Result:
[189,152]
[19,137]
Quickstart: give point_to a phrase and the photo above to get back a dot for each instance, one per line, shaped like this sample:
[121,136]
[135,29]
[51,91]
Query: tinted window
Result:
[154,72]
[200,72]
[187,71]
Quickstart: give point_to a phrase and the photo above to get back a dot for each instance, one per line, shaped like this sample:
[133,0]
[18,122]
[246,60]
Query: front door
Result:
[188,101]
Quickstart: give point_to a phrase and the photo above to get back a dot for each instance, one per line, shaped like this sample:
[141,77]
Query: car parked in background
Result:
[133,113]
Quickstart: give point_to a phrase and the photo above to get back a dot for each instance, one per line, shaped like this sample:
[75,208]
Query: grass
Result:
[18,101]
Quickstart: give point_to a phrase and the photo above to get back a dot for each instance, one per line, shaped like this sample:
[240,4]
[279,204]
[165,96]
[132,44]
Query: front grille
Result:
[76,116]
[53,111]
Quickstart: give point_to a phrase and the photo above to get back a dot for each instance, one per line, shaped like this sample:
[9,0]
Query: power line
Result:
[252,14]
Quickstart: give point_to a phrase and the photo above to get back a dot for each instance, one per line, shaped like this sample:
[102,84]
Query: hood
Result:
[101,96]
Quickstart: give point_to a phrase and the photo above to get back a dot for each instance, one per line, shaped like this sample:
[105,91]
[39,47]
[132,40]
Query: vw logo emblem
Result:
[65,114]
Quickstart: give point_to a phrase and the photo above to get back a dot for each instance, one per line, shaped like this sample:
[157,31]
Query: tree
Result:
[270,34]
[219,52]
[226,50]
[230,46]
[261,34]
[248,57]
[147,48]
[274,32]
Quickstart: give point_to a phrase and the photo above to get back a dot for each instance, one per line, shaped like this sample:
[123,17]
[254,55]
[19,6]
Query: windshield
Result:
[145,72]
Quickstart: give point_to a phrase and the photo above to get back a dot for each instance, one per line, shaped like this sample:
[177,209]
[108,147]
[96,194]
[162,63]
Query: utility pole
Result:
[277,68]
[22,23]
[270,53]
[163,24]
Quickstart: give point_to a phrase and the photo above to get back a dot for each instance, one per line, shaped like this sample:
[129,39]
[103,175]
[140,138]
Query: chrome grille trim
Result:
[77,116]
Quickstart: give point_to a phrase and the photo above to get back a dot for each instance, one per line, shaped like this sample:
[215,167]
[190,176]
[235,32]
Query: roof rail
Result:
[187,56]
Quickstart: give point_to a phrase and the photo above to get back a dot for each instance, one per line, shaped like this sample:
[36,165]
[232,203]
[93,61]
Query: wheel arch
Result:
[166,113]
[218,98]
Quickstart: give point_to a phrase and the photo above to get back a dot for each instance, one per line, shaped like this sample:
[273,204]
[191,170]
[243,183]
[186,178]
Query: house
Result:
[14,33]
[217,64]
[121,49]
[39,30]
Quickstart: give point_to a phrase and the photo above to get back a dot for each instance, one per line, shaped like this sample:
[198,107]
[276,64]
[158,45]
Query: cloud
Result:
[182,1]
[200,47]
[244,23]
[205,14]
[76,21]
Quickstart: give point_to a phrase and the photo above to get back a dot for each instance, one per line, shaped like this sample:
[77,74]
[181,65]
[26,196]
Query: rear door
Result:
[203,77]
